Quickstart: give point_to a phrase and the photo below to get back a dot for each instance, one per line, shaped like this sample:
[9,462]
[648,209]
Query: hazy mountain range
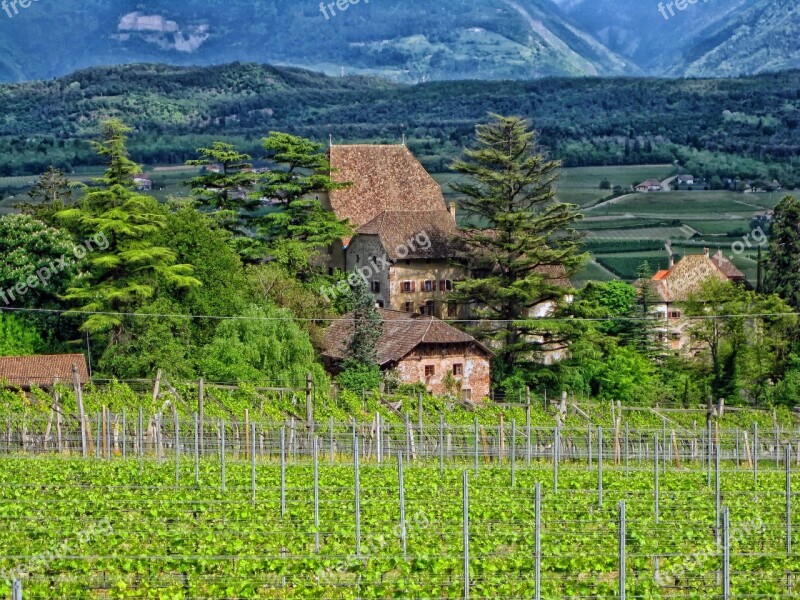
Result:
[408,40]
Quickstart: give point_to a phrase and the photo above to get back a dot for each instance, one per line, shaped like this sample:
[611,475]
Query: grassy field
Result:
[581,185]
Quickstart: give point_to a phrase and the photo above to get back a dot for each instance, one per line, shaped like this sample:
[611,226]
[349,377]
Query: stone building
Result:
[404,230]
[418,250]
[420,349]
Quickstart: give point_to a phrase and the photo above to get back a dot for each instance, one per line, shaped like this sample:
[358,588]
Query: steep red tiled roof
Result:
[727,267]
[383,178]
[433,228]
[24,371]
[402,332]
[686,278]
[660,275]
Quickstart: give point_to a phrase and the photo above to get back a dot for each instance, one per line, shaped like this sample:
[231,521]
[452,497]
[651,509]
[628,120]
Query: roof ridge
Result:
[428,329]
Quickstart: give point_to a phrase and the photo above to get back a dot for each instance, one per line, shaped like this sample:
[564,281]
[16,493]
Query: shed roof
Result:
[42,370]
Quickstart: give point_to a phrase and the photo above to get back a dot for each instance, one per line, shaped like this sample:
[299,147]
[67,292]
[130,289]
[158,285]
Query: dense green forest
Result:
[743,127]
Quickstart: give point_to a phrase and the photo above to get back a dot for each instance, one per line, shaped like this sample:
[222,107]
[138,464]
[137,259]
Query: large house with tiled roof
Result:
[420,349]
[402,226]
[672,287]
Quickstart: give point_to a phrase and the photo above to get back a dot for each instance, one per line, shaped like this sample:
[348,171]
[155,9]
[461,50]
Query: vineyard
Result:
[169,508]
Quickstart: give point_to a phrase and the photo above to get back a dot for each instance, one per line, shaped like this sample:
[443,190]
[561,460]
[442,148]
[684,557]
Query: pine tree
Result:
[227,193]
[782,274]
[307,168]
[112,149]
[360,370]
[52,187]
[367,324]
[127,271]
[527,240]
[642,329]
[296,234]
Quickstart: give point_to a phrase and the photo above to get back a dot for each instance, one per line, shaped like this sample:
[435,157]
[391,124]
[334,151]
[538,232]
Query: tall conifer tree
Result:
[524,239]
[125,272]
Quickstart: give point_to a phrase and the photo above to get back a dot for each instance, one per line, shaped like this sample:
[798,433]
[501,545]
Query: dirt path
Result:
[608,202]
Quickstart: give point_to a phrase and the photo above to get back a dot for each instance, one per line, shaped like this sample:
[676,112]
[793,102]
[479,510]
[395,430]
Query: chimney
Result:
[671,260]
[706,252]
[452,209]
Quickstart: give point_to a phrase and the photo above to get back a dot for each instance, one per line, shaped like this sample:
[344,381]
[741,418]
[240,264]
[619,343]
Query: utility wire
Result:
[69,312]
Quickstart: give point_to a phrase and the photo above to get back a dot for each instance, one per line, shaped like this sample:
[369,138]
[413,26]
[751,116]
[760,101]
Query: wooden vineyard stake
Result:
[675,450]
[747,451]
[485,444]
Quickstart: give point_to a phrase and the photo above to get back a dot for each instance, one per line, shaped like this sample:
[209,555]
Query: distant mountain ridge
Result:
[409,41]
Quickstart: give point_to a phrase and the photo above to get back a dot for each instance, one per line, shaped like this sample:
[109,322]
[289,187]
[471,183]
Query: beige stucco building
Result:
[674,286]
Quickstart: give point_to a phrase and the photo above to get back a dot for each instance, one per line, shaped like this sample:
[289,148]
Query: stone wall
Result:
[476,378]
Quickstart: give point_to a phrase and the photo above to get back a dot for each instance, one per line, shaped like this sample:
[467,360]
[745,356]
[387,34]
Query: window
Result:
[407,287]
[409,306]
[430,371]
[675,314]
[458,369]
[675,336]
[452,309]
[358,258]
[429,309]
[466,395]
[376,287]
[379,304]
[446,285]
[428,285]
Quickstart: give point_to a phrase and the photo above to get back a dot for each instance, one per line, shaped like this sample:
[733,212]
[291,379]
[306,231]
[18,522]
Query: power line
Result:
[70,312]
